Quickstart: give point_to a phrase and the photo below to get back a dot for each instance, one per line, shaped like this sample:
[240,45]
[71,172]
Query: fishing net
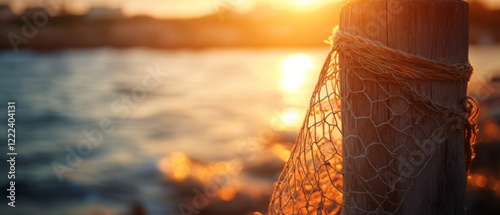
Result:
[369,132]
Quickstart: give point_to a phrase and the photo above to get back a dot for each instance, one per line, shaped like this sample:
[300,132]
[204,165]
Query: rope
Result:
[397,63]
[389,64]
[312,180]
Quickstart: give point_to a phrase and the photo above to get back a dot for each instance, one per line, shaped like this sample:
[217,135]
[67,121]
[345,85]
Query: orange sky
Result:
[178,8]
[168,8]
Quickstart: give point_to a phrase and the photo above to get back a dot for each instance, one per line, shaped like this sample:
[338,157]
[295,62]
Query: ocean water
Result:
[142,131]
[168,113]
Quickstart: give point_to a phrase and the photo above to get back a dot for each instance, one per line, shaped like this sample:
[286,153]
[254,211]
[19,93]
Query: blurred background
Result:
[184,107]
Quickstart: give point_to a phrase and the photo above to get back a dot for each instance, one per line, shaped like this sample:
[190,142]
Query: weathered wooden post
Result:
[433,29]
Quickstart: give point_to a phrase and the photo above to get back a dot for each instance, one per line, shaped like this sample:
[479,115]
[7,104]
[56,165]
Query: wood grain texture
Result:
[437,30]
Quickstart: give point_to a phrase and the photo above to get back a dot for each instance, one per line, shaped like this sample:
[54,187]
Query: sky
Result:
[165,8]
[176,8]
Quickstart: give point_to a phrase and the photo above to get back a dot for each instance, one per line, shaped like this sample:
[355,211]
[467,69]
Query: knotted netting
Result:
[369,132]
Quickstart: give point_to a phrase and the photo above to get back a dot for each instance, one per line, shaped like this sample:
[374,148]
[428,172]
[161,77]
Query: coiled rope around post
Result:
[312,181]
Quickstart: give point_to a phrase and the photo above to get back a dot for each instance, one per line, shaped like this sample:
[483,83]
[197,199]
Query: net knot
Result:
[356,112]
[398,63]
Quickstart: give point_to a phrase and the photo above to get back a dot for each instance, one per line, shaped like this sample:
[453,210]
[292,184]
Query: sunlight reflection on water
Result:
[222,121]
[217,113]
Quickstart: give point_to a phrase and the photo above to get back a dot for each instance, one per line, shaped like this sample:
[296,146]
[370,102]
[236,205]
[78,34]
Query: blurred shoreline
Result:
[264,26]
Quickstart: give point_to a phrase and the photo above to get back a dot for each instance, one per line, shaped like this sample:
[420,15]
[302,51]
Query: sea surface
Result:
[144,131]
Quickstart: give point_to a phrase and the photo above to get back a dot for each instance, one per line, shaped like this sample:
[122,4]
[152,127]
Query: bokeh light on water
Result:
[219,125]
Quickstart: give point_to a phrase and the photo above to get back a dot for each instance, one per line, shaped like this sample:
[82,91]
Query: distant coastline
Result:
[262,27]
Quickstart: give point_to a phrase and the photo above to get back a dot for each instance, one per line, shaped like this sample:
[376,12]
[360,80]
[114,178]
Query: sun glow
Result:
[290,118]
[177,166]
[301,3]
[227,193]
[281,152]
[294,72]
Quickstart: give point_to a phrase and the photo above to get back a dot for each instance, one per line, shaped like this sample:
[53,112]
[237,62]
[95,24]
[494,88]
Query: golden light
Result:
[302,3]
[480,180]
[290,118]
[294,72]
[227,193]
[281,151]
[177,166]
